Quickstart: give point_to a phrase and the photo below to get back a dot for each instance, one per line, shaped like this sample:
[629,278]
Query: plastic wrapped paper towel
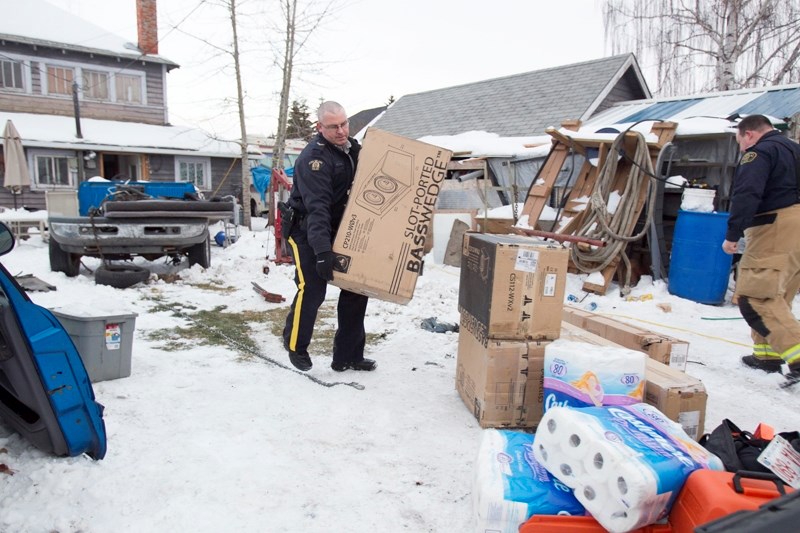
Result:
[578,374]
[510,485]
[625,463]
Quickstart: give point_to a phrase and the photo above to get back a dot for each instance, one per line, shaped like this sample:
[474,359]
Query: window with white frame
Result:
[53,169]
[11,74]
[128,88]
[59,79]
[194,169]
[95,85]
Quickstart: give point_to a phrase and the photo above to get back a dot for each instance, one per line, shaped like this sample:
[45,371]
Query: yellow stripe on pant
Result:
[299,301]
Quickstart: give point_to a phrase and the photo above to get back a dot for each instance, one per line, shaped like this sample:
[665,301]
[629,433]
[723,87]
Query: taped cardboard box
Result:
[387,223]
[500,381]
[664,349]
[678,395]
[512,287]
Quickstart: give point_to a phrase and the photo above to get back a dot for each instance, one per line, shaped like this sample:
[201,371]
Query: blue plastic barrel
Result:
[698,269]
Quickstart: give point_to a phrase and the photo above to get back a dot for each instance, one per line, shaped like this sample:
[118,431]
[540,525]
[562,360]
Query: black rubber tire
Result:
[61,261]
[120,276]
[200,253]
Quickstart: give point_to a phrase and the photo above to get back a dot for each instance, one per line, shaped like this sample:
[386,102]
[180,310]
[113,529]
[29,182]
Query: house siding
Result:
[152,111]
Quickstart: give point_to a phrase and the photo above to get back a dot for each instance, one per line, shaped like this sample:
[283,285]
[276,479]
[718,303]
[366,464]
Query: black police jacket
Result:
[323,175]
[765,179]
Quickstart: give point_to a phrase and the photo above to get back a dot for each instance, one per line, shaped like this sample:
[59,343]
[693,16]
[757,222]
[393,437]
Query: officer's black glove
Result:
[325,265]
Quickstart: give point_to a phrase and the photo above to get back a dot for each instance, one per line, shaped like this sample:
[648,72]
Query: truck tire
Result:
[200,253]
[120,276]
[61,261]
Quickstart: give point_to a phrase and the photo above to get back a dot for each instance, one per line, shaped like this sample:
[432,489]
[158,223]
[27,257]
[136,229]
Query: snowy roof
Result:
[40,23]
[49,131]
[703,113]
[517,105]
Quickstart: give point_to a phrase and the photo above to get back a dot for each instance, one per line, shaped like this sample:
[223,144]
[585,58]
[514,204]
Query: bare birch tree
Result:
[246,179]
[702,45]
[297,31]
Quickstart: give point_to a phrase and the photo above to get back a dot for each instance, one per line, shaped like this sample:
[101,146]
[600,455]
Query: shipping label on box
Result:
[501,382]
[380,245]
[511,287]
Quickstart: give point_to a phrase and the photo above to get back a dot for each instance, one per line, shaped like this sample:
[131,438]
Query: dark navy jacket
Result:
[765,180]
[323,175]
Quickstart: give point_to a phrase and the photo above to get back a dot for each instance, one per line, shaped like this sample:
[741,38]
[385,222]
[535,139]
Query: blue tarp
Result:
[261,179]
[261,176]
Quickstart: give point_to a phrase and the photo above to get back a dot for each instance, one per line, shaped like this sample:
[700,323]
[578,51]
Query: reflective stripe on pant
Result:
[310,294]
[768,280]
[350,338]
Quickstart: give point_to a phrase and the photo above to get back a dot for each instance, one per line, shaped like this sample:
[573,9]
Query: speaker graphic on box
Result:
[391,179]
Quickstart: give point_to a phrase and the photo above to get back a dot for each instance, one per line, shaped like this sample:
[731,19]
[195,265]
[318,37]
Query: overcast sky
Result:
[360,55]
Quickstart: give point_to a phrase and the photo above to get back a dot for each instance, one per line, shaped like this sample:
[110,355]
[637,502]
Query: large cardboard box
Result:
[663,348]
[512,287]
[678,395]
[500,381]
[388,219]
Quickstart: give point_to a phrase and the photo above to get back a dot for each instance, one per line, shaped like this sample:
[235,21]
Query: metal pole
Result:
[77,107]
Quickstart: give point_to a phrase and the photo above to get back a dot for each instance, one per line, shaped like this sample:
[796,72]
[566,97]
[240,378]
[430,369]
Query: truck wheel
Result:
[200,253]
[120,276]
[61,261]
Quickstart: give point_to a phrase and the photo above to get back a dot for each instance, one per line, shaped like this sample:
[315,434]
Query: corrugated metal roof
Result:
[779,101]
[660,110]
[773,103]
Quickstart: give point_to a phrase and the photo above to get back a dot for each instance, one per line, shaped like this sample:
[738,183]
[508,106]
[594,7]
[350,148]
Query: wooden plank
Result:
[540,189]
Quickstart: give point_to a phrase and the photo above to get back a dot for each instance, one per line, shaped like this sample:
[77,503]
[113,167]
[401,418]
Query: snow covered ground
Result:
[210,438]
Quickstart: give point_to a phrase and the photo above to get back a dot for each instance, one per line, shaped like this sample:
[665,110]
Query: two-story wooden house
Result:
[88,103]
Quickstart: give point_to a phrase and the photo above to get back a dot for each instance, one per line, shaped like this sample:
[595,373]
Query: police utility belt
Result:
[290,218]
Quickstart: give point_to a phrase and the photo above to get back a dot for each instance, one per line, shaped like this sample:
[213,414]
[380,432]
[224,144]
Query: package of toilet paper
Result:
[510,485]
[626,464]
[578,374]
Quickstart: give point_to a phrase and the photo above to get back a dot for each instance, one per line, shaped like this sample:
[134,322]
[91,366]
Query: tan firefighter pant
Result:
[769,278]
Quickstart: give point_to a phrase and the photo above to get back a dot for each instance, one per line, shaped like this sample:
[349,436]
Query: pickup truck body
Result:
[124,226]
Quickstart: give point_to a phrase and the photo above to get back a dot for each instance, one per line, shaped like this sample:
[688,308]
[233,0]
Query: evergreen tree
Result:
[299,126]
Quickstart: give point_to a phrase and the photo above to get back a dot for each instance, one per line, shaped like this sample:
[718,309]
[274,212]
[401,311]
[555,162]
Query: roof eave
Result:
[88,50]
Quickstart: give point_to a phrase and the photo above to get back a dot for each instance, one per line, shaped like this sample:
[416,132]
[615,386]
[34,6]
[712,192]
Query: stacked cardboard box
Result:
[662,348]
[510,297]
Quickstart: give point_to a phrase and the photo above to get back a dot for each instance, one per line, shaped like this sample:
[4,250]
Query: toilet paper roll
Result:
[595,497]
[547,451]
[601,460]
[577,436]
[622,520]
[569,471]
[632,483]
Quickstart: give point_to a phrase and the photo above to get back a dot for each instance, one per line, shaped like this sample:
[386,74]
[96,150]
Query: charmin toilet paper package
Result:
[626,464]
[510,485]
[578,374]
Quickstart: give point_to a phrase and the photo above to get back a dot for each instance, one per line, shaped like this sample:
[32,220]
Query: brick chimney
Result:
[147,25]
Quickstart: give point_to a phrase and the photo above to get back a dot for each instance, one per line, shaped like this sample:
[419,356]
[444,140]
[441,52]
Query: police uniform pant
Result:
[350,338]
[767,282]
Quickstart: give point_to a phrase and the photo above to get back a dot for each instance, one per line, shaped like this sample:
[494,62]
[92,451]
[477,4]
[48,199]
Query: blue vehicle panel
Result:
[45,392]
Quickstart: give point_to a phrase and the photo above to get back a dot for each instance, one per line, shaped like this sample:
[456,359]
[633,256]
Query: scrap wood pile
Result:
[601,211]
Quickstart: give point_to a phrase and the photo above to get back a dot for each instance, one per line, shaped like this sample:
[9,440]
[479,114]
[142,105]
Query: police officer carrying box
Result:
[323,176]
[765,209]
